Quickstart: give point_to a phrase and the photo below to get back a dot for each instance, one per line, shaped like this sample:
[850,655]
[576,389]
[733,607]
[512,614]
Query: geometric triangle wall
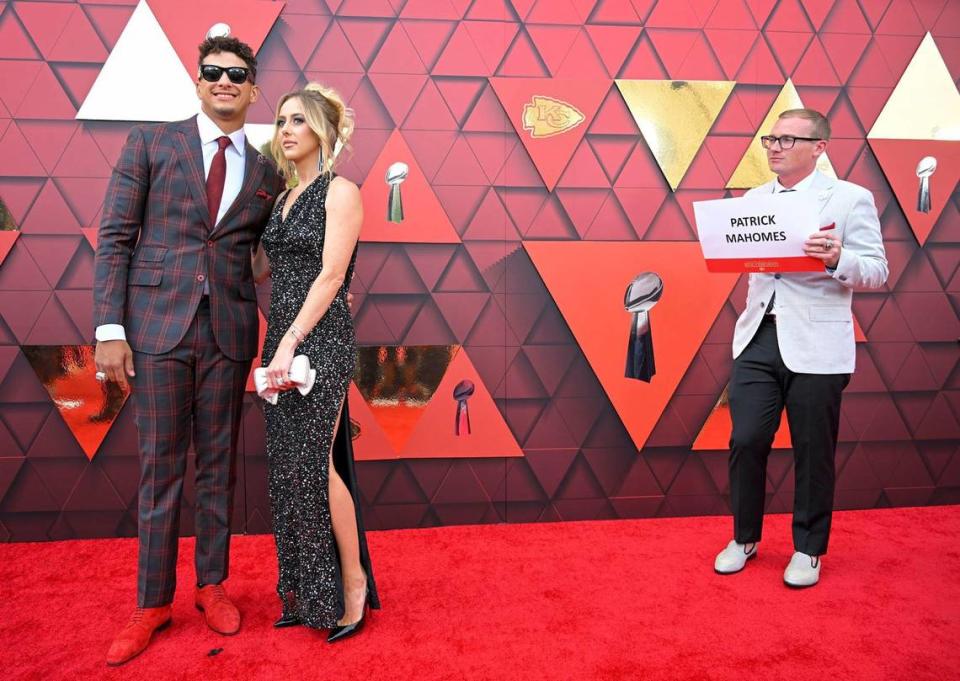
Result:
[515,247]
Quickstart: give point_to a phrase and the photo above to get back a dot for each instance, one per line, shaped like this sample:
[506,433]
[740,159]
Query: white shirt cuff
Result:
[109,332]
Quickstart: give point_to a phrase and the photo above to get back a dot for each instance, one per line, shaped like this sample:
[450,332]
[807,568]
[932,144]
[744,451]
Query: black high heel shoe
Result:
[339,633]
[287,620]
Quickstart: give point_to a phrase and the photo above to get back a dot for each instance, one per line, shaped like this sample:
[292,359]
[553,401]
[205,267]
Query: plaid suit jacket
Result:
[156,247]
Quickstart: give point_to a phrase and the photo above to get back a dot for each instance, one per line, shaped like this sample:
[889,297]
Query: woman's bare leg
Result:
[343,517]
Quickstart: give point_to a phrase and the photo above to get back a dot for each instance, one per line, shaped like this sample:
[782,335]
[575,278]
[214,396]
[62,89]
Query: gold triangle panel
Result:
[752,170]
[675,117]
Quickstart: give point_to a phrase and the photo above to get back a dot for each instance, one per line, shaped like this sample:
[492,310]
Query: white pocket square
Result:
[301,376]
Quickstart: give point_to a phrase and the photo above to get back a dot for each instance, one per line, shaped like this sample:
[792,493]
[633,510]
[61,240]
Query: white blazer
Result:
[814,321]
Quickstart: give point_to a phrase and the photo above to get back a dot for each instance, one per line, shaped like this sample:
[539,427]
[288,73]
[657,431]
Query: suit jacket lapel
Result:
[252,178]
[823,185]
[191,156]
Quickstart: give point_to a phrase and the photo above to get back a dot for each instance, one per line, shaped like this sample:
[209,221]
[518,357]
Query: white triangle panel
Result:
[143,79]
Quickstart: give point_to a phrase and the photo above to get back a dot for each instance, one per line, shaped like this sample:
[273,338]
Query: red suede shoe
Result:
[221,614]
[135,637]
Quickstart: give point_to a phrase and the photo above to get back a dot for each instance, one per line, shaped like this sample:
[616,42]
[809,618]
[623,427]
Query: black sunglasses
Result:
[238,75]
[785,141]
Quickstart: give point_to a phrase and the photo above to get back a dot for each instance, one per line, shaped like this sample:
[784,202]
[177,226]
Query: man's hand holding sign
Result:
[822,246]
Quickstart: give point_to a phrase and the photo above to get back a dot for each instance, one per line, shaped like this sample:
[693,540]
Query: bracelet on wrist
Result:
[296,332]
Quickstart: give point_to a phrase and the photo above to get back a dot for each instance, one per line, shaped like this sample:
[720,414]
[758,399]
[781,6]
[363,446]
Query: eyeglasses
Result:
[212,73]
[785,141]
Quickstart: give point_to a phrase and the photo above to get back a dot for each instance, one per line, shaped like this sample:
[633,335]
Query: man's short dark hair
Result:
[821,126]
[230,44]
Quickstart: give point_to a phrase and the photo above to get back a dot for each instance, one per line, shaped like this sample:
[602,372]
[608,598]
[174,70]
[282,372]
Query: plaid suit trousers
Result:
[194,389]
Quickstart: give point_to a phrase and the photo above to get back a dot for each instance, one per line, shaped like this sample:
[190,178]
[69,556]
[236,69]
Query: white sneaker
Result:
[803,571]
[733,558]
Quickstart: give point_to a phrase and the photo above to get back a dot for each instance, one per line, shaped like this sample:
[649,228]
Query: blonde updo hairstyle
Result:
[325,114]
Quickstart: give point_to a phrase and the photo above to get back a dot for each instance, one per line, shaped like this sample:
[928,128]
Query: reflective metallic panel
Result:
[87,406]
[753,170]
[675,117]
[398,381]
[7,223]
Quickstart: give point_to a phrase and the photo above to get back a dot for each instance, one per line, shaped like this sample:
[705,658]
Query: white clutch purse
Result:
[301,376]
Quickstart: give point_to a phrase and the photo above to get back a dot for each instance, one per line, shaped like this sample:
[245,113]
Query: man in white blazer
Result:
[793,347]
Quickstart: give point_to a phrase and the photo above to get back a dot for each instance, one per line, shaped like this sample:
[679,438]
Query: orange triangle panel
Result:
[550,115]
[899,160]
[87,406]
[90,233]
[372,443]
[593,308]
[716,432]
[7,239]
[424,219]
[435,432]
[186,22]
[858,335]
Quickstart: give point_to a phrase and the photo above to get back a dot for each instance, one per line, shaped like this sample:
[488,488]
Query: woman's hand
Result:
[278,372]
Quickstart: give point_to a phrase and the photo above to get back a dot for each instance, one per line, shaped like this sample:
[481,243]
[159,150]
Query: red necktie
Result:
[216,178]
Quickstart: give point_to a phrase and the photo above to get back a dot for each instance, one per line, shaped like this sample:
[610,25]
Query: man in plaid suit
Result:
[176,314]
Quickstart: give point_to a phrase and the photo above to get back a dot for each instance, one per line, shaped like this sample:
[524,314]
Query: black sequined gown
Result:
[300,428]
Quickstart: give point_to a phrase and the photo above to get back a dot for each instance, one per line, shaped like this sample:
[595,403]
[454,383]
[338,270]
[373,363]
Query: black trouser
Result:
[761,386]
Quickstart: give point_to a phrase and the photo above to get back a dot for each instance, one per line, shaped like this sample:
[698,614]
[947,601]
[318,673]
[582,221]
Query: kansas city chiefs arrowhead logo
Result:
[545,117]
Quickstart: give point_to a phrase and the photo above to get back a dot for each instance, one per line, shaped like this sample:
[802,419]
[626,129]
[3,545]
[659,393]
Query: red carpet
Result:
[590,600]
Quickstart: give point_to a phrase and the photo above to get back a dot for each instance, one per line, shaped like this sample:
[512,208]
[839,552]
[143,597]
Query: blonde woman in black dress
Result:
[309,247]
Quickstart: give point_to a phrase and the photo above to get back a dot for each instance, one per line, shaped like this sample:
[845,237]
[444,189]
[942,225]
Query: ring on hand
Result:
[827,245]
[100,376]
